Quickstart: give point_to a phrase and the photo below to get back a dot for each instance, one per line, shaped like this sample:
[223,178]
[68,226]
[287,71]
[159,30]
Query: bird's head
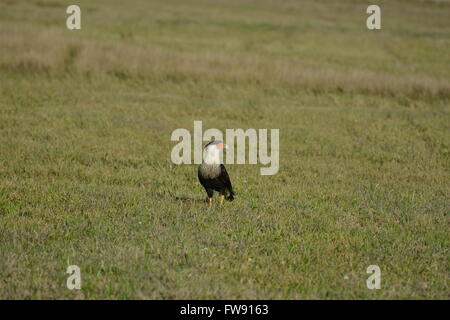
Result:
[211,154]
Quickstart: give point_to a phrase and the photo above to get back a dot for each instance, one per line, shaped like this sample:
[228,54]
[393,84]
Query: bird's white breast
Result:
[209,171]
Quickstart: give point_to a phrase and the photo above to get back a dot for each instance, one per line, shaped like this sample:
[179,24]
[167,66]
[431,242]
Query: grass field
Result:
[85,171]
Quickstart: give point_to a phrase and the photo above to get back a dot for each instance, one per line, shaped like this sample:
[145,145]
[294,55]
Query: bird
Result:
[212,173]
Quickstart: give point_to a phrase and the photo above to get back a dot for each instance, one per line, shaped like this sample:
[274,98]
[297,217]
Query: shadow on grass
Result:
[190,200]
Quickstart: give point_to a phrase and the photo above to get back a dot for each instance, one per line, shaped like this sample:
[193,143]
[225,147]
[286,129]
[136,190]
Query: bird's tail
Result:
[231,196]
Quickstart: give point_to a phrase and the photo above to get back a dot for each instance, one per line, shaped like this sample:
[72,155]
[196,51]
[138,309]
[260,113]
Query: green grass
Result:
[85,170]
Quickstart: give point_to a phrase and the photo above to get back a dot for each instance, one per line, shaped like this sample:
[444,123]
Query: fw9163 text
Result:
[243,309]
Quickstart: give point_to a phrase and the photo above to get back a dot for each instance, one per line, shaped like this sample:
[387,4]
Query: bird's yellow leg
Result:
[221,199]
[210,202]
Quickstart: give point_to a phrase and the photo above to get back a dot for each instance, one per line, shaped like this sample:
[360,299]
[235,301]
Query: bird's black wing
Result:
[225,179]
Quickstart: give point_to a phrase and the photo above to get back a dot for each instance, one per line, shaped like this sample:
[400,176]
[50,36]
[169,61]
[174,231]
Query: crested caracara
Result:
[213,175]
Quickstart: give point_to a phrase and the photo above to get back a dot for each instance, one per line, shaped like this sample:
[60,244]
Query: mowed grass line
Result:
[86,177]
